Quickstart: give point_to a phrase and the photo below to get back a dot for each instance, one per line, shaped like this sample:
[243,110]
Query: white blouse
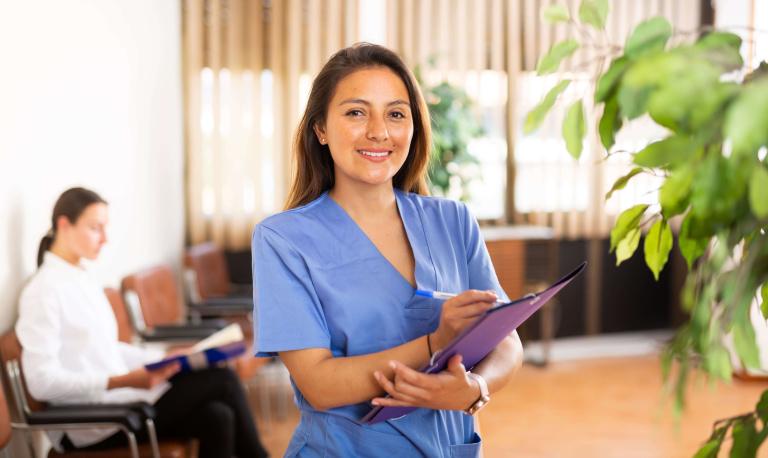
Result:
[68,332]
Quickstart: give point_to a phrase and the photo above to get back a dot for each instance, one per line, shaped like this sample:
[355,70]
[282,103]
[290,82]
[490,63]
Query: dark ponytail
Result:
[71,204]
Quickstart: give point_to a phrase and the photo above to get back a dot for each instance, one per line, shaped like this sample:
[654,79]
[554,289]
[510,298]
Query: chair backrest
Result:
[5,421]
[124,330]
[157,294]
[209,265]
[10,349]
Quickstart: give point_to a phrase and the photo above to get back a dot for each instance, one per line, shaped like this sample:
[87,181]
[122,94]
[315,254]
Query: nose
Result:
[377,130]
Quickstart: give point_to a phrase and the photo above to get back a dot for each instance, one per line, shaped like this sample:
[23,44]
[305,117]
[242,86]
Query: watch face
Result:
[482,402]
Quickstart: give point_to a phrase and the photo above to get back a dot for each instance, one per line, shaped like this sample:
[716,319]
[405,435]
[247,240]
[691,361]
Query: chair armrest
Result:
[242,289]
[176,333]
[229,301]
[142,409]
[58,416]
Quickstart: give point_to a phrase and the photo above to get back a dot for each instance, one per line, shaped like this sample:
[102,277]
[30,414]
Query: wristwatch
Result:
[484,397]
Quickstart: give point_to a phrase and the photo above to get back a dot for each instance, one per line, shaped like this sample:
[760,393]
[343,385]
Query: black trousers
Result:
[209,406]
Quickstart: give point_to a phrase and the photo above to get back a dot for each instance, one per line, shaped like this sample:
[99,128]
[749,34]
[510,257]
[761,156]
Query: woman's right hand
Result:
[458,313]
[143,378]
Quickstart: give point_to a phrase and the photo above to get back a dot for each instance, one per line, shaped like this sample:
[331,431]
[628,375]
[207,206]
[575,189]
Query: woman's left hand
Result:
[450,389]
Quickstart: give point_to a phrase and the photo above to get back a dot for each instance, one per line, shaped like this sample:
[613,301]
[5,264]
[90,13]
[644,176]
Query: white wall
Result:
[90,95]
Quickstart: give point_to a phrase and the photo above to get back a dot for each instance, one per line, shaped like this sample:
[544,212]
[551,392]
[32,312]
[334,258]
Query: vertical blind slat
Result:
[514,61]
[255,28]
[214,51]
[277,66]
[193,63]
[234,160]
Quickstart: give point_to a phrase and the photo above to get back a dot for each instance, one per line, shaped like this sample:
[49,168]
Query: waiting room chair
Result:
[35,415]
[245,366]
[154,307]
[209,285]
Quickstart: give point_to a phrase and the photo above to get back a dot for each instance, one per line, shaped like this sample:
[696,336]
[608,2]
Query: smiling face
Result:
[84,238]
[368,127]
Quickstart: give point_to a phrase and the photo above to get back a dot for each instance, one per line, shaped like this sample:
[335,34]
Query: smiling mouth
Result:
[372,154]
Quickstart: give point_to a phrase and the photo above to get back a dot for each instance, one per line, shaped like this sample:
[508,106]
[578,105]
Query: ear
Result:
[320,132]
[62,222]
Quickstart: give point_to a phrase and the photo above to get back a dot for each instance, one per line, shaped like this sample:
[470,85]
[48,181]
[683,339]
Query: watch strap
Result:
[484,395]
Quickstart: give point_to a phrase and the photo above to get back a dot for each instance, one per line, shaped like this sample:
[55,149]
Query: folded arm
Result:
[327,381]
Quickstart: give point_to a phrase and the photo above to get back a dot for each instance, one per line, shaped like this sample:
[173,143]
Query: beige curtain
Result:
[466,37]
[247,64]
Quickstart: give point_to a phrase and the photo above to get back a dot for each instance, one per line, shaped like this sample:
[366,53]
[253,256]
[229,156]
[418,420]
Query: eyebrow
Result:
[365,102]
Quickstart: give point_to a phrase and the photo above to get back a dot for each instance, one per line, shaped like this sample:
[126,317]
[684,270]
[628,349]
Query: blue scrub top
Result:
[319,282]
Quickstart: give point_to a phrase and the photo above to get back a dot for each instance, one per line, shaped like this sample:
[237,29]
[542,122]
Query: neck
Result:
[60,250]
[364,202]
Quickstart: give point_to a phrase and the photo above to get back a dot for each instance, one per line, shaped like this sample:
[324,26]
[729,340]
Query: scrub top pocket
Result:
[470,450]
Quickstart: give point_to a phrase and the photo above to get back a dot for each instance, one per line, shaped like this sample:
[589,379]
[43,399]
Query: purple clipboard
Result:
[478,339]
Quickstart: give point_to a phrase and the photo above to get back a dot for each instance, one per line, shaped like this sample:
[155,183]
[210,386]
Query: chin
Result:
[92,256]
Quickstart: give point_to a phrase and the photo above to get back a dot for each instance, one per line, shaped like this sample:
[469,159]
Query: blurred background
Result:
[180,113]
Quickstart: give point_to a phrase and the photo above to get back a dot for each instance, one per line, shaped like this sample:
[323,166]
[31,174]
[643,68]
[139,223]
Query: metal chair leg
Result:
[152,433]
[133,444]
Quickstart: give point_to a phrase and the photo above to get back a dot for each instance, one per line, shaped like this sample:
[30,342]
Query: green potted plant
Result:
[454,124]
[716,180]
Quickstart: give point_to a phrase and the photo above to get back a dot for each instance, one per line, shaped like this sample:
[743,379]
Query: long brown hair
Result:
[71,204]
[312,161]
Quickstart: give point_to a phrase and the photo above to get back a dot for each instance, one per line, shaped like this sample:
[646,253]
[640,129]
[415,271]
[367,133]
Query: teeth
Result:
[367,153]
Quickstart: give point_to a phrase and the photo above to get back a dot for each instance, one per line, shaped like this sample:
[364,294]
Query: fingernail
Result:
[377,375]
[375,403]
[393,365]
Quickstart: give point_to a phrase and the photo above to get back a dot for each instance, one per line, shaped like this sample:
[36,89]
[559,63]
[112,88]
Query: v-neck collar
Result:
[424,269]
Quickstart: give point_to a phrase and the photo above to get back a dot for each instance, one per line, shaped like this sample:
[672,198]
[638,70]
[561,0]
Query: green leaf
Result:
[717,39]
[627,221]
[536,116]
[670,152]
[608,80]
[551,62]
[758,191]
[744,341]
[764,296]
[745,440]
[719,193]
[622,182]
[691,247]
[658,243]
[708,450]
[627,246]
[594,13]
[610,123]
[675,194]
[691,100]
[649,36]
[574,126]
[633,101]
[746,119]
[721,49]
[762,406]
[758,74]
[719,363]
[555,13]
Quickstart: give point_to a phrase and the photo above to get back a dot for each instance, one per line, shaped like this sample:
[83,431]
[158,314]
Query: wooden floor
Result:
[590,408]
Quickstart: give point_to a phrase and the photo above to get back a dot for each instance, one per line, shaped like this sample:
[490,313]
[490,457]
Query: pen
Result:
[439,295]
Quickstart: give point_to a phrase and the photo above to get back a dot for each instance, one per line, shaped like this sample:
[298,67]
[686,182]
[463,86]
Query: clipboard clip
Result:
[432,359]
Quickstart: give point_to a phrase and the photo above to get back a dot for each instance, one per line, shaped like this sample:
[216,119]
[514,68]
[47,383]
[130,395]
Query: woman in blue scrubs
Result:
[335,274]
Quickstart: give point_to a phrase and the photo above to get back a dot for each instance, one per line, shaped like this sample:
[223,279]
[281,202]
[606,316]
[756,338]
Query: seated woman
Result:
[335,274]
[71,354]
